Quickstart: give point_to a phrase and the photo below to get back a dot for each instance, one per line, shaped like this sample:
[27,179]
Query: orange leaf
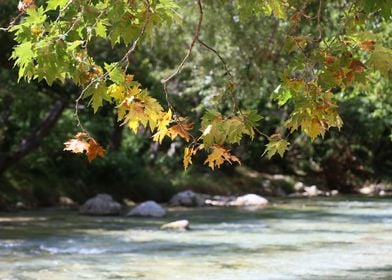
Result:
[181,130]
[25,4]
[94,150]
[218,156]
[367,45]
[329,59]
[81,143]
[357,66]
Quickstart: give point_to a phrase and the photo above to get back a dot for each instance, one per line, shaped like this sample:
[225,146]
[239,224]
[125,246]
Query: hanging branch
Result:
[123,59]
[188,53]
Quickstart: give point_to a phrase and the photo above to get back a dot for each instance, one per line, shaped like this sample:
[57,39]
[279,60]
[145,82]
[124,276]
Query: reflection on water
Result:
[292,239]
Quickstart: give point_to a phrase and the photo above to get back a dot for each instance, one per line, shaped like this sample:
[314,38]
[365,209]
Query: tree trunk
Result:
[33,140]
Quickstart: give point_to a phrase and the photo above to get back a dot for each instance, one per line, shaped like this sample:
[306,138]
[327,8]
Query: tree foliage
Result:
[55,38]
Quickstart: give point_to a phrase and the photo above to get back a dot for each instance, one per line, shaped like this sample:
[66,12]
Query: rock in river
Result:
[102,204]
[148,209]
[189,199]
[249,200]
[177,225]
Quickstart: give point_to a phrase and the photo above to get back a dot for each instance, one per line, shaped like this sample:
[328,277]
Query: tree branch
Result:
[188,53]
[33,140]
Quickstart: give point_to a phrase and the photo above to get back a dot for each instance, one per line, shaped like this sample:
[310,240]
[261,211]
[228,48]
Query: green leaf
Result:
[23,55]
[381,59]
[234,127]
[35,16]
[276,145]
[100,29]
[278,8]
[115,73]
[251,120]
[53,4]
[98,93]
[282,95]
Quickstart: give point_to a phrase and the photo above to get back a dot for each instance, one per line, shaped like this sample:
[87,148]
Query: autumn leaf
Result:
[357,66]
[82,142]
[218,156]
[162,129]
[26,4]
[78,144]
[188,154]
[181,130]
[94,150]
[367,45]
[276,145]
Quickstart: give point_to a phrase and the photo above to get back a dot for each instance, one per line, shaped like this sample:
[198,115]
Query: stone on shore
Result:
[188,198]
[249,200]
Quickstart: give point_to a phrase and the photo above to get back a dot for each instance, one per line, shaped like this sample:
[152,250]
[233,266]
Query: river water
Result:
[291,239]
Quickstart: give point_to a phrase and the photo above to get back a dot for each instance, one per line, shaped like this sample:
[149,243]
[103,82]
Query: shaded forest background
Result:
[35,119]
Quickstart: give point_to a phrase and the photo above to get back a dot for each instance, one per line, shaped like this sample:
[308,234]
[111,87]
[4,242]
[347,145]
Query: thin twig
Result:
[318,21]
[13,22]
[233,96]
[63,9]
[218,55]
[188,53]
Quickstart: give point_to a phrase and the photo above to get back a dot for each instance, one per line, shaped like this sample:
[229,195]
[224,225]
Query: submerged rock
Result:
[102,204]
[177,225]
[249,200]
[148,209]
[189,199]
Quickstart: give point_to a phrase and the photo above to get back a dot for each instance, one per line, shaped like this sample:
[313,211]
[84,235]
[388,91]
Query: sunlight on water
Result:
[297,239]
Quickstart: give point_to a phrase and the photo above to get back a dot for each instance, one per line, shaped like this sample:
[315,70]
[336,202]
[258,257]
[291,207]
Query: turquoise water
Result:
[291,239]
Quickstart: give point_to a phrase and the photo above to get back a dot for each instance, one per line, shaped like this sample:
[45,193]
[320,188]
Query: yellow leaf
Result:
[218,156]
[117,92]
[313,128]
[162,130]
[188,153]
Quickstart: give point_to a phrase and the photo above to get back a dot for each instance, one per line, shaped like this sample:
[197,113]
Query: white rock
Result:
[66,201]
[249,200]
[299,187]
[20,206]
[177,225]
[102,204]
[148,209]
[366,190]
[312,191]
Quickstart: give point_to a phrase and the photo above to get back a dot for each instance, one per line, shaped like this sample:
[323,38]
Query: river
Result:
[345,238]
